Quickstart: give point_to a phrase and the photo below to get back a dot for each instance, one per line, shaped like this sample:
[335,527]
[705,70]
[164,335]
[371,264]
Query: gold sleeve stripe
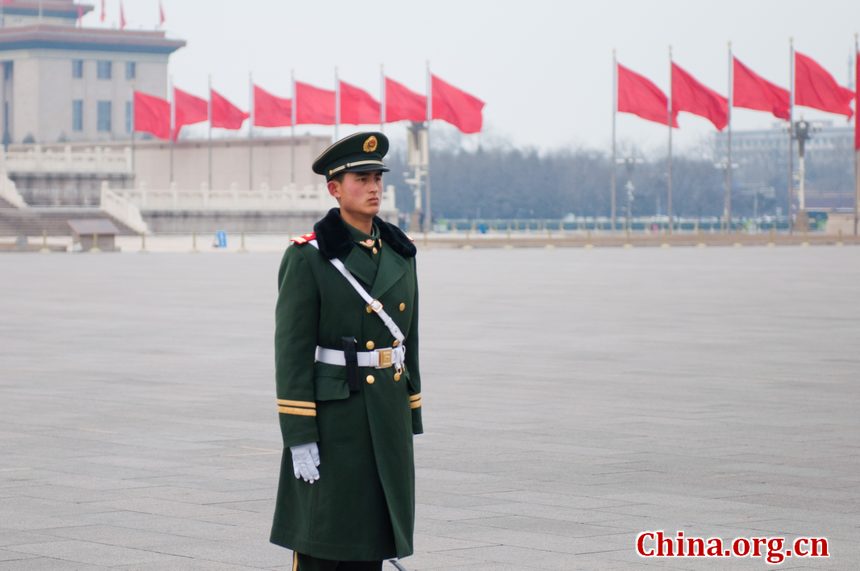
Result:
[299,403]
[415,397]
[415,404]
[296,411]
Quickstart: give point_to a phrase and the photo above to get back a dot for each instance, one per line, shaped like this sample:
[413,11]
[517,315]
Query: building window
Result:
[104,69]
[7,70]
[130,70]
[78,115]
[77,68]
[104,116]
[128,116]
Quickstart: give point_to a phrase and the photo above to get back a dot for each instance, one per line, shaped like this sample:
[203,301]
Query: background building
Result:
[61,82]
[761,164]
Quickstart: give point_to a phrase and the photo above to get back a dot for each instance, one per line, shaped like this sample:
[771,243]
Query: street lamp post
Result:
[727,169]
[802,132]
[629,163]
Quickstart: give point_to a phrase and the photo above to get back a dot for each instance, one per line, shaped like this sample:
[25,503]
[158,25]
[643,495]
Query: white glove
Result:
[306,458]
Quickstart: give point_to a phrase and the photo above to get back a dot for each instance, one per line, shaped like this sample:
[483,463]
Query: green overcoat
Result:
[363,506]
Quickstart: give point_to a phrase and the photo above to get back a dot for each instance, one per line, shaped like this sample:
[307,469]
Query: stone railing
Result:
[9,192]
[95,160]
[290,198]
[123,210]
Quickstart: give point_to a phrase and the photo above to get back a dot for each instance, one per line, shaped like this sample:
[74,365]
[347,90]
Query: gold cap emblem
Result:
[370,144]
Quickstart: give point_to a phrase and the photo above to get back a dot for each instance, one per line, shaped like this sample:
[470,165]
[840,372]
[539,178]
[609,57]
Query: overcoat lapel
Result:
[361,266]
[391,269]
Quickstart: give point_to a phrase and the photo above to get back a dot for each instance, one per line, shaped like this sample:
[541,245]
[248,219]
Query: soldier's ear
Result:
[333,187]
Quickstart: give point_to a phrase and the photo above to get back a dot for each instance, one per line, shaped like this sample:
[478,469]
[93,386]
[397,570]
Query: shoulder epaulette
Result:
[304,238]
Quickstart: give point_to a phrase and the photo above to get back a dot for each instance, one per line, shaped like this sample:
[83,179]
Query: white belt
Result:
[380,359]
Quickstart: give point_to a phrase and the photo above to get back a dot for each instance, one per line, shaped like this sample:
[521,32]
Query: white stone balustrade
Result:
[290,198]
[96,160]
[123,210]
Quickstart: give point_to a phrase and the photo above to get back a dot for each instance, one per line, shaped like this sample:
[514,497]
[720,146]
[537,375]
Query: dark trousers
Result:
[308,563]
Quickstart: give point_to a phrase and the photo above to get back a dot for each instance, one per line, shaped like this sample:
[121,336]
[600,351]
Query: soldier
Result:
[348,382]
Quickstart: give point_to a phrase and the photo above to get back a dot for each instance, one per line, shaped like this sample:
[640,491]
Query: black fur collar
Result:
[335,241]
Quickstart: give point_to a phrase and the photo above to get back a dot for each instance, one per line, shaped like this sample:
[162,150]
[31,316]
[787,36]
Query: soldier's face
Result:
[360,193]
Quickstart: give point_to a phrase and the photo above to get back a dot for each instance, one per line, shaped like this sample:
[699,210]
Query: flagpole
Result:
[132,131]
[253,111]
[382,98]
[428,213]
[791,136]
[612,177]
[336,105]
[728,202]
[172,96]
[293,107]
[209,111]
[856,134]
[669,162]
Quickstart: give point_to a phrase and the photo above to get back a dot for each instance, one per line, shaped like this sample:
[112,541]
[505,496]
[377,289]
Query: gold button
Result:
[370,380]
[395,343]
[402,307]
[370,345]
[375,251]
[368,309]
[396,377]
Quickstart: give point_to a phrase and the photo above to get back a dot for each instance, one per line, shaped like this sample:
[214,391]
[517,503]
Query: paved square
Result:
[572,398]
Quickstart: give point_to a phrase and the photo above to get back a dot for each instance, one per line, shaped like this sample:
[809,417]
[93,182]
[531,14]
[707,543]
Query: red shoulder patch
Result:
[304,238]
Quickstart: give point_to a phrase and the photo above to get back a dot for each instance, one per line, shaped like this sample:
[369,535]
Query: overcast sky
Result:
[542,67]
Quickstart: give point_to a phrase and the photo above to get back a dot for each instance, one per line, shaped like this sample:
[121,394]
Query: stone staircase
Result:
[51,221]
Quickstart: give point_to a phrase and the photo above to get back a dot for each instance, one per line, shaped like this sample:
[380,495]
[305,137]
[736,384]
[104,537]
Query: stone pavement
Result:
[572,398]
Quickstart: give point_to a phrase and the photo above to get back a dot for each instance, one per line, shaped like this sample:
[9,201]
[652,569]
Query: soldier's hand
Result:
[306,459]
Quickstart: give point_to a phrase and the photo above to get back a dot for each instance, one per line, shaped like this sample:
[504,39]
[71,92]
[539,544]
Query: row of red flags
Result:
[313,106]
[813,87]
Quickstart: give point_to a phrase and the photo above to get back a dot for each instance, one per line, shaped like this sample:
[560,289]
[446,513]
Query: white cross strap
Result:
[374,304]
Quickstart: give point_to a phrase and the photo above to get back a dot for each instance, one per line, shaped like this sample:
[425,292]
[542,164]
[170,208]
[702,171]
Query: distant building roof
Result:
[90,226]
[49,8]
[47,36]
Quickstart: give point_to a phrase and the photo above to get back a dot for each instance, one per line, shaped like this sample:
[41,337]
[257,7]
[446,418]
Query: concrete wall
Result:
[233,162]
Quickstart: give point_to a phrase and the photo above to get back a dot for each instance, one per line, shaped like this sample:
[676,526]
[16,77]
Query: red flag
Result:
[456,106]
[857,103]
[314,106]
[403,104]
[692,96]
[103,14]
[80,15]
[271,111]
[188,110]
[121,16]
[151,115]
[638,95]
[161,18]
[751,91]
[815,87]
[357,107]
[225,115]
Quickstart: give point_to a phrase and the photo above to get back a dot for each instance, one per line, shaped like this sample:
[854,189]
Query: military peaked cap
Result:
[361,152]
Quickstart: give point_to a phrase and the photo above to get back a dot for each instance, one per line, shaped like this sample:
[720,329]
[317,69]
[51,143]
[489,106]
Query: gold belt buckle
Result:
[386,358]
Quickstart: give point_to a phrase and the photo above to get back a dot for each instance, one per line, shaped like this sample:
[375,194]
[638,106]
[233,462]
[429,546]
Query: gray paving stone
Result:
[86,552]
[572,399]
[47,564]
